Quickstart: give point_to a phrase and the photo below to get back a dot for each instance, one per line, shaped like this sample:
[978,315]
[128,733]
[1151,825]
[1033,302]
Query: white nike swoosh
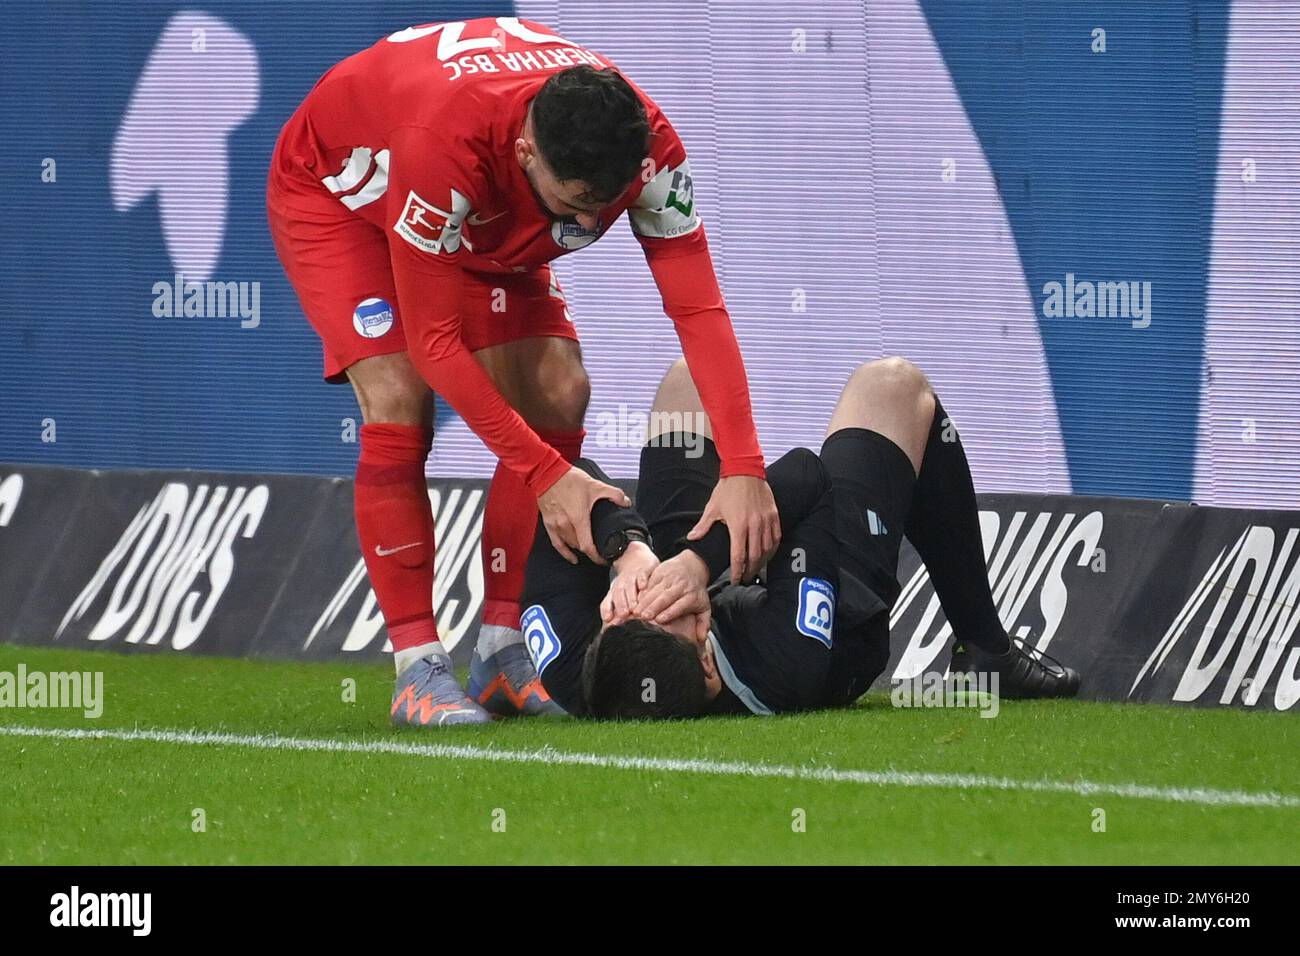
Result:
[385,552]
[474,220]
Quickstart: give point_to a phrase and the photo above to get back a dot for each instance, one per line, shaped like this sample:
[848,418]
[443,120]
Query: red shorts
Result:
[338,264]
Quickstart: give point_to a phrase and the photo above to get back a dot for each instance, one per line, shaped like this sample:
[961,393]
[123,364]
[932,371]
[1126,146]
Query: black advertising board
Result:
[1149,600]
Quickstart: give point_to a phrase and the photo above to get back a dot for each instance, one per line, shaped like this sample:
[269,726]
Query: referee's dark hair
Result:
[639,671]
[591,126]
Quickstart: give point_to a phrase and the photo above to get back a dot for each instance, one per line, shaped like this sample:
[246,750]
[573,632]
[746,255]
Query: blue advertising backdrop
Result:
[915,176]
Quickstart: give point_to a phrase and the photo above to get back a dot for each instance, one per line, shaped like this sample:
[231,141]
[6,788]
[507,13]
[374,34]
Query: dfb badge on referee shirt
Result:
[816,609]
[539,637]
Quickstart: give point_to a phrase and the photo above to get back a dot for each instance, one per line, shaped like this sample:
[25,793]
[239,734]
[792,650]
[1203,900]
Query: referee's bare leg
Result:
[677,405]
[891,397]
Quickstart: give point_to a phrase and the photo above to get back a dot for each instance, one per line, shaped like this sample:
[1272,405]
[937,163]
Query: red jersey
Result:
[416,135]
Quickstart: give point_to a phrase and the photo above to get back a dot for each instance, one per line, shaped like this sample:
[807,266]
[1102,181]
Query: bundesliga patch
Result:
[431,229]
[372,318]
[816,609]
[539,637]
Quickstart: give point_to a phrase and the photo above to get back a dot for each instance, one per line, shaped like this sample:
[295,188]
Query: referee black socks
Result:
[943,525]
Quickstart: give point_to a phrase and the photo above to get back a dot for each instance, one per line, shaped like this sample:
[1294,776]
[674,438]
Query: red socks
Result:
[509,523]
[395,528]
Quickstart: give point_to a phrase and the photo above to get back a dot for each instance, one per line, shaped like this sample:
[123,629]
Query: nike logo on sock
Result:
[385,552]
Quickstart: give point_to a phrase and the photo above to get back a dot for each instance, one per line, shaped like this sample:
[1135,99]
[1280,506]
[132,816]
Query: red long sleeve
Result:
[436,350]
[692,298]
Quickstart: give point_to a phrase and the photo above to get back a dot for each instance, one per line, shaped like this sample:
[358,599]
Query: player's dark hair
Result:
[639,671]
[591,126]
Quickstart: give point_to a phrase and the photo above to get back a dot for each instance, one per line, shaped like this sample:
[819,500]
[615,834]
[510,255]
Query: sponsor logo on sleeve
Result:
[539,637]
[816,609]
[666,207]
[431,229]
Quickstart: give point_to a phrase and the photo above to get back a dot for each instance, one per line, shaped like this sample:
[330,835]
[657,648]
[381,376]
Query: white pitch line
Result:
[1205,796]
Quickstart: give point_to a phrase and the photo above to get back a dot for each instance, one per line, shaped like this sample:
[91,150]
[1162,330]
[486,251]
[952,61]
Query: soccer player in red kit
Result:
[415,199]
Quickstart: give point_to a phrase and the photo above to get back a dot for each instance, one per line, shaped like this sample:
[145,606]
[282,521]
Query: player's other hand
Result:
[631,575]
[676,587]
[566,512]
[746,506]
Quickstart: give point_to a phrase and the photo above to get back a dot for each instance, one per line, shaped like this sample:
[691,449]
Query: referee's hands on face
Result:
[677,587]
[632,573]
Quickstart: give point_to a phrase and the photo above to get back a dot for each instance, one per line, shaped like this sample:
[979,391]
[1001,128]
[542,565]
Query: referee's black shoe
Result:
[1022,673]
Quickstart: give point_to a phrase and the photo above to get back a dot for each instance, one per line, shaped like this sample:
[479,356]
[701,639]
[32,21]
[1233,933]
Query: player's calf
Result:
[544,380]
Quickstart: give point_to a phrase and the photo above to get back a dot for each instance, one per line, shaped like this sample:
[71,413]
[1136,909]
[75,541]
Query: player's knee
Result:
[677,372]
[677,388]
[398,400]
[567,391]
[677,406]
[390,391]
[397,406]
[891,378]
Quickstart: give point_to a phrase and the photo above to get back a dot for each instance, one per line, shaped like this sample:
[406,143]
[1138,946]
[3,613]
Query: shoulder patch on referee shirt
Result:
[816,614]
[539,637]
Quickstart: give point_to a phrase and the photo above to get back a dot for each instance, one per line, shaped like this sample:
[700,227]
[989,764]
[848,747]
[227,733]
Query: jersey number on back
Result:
[450,44]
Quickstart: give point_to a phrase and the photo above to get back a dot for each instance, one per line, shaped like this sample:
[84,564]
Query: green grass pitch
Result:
[702,792]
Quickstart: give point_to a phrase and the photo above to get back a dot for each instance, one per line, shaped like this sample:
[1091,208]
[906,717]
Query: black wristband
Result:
[618,542]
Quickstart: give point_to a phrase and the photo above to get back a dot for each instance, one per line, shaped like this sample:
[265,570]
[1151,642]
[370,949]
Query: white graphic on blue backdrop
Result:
[199,84]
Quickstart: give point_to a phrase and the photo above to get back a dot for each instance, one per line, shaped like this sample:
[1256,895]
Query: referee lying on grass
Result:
[658,641]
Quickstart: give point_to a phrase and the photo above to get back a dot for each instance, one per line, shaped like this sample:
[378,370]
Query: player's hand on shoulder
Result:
[566,513]
[746,506]
[632,573]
